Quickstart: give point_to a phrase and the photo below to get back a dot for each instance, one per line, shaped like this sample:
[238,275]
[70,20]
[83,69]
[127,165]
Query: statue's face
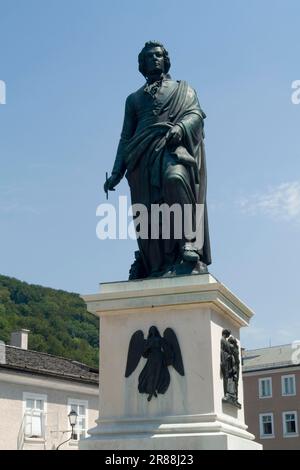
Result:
[154,61]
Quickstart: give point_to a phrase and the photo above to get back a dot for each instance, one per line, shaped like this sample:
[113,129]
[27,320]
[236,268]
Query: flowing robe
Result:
[155,376]
[145,157]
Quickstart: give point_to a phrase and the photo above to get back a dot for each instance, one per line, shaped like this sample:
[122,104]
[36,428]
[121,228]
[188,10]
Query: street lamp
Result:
[72,420]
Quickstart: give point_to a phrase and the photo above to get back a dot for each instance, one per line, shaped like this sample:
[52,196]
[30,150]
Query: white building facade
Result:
[37,392]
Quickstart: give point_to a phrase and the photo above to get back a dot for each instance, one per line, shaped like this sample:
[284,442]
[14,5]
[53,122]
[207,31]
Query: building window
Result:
[34,407]
[265,387]
[288,385]
[290,424]
[266,425]
[81,408]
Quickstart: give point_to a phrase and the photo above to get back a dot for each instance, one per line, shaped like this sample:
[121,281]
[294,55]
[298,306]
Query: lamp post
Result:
[72,420]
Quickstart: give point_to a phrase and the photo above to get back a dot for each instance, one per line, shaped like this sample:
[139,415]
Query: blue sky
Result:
[68,66]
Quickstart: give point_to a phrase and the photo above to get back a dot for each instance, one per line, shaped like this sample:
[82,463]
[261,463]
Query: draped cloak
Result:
[142,150]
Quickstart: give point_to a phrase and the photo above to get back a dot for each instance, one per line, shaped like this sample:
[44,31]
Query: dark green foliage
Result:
[58,321]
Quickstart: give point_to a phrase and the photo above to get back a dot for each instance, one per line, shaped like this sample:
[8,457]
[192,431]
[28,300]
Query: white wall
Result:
[12,387]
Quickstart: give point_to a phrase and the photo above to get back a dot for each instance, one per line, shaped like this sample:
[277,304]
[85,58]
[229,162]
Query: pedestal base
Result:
[214,441]
[201,432]
[190,415]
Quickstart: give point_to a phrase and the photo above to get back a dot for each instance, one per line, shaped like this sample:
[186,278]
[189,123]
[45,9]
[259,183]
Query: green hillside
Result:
[58,321]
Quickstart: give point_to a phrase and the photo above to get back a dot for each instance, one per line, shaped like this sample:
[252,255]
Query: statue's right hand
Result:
[111,183]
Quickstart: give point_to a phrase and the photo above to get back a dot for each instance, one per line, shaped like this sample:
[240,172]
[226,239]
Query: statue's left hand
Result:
[174,137]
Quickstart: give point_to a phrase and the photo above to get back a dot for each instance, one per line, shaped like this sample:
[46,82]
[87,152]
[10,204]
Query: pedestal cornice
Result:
[167,293]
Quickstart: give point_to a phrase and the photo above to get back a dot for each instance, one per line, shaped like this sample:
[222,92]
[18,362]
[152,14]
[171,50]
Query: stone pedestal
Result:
[191,414]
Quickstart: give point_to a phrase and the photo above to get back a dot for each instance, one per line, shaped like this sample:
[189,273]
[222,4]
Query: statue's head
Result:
[233,341]
[153,331]
[145,59]
[226,333]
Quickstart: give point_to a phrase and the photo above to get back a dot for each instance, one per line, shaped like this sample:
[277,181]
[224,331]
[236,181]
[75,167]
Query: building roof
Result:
[35,362]
[270,358]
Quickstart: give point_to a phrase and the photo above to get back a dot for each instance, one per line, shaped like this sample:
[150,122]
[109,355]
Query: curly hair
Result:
[148,45]
[226,333]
